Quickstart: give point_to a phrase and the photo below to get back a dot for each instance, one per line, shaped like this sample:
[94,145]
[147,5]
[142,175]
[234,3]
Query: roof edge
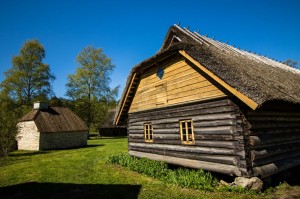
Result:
[248,101]
[118,113]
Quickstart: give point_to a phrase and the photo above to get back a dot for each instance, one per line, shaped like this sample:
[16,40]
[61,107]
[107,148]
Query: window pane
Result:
[190,137]
[150,132]
[189,131]
[189,124]
[183,131]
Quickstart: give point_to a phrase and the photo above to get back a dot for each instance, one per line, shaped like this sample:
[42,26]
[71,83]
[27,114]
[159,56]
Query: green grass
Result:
[83,173]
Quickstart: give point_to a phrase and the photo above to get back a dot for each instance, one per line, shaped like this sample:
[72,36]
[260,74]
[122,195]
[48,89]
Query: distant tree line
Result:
[30,79]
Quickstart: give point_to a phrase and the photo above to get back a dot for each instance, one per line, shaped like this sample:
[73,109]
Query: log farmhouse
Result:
[200,103]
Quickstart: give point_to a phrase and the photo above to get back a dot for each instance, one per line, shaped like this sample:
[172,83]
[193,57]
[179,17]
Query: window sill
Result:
[150,141]
[188,143]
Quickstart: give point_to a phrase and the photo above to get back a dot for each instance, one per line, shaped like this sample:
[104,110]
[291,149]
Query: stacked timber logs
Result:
[218,130]
[274,140]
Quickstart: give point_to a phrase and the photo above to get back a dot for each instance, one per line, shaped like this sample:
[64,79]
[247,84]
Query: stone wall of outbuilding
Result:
[62,140]
[28,136]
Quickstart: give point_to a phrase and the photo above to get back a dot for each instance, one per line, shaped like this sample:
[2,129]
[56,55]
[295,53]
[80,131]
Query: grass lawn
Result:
[82,173]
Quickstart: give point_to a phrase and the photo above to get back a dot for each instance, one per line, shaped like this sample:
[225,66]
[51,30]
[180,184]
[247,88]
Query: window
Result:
[187,132]
[160,72]
[148,132]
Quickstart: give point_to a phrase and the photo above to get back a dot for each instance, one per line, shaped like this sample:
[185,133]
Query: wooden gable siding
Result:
[218,130]
[180,84]
[274,139]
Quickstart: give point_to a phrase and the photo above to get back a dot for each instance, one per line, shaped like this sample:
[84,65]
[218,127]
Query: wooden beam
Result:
[197,164]
[252,104]
[276,167]
[124,101]
[184,148]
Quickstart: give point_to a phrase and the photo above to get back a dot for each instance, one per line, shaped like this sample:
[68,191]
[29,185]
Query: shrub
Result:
[9,115]
[197,179]
[143,165]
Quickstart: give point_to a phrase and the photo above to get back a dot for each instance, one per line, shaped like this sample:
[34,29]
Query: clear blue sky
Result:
[131,31]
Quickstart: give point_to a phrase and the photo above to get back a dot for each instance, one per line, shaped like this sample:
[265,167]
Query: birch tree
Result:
[90,84]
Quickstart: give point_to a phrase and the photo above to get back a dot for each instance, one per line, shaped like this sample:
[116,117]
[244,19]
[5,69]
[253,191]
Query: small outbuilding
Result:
[107,127]
[205,104]
[46,128]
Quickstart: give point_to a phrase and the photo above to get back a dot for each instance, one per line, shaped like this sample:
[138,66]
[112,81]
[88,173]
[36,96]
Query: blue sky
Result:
[131,31]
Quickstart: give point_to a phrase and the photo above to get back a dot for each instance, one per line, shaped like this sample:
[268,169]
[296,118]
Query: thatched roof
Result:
[55,119]
[257,77]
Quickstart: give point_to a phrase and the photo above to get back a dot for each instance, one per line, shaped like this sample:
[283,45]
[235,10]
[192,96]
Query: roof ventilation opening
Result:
[40,105]
[175,39]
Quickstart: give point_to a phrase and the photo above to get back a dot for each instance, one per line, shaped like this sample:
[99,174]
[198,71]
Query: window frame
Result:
[147,132]
[186,133]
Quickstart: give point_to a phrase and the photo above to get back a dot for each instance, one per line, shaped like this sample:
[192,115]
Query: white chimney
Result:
[40,105]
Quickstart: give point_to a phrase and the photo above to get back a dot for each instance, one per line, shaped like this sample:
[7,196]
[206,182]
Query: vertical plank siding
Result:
[274,140]
[218,131]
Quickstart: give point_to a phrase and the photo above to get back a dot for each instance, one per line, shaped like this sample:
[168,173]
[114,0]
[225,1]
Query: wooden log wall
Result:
[274,139]
[218,129]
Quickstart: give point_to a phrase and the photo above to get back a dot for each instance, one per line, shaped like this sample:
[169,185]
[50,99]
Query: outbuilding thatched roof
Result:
[55,119]
[257,77]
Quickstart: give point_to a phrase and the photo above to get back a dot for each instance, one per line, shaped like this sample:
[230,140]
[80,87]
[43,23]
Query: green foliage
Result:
[29,78]
[151,168]
[89,87]
[92,74]
[197,179]
[9,114]
[235,189]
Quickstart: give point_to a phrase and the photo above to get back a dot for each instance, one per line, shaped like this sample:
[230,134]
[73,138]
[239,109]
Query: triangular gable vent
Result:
[175,39]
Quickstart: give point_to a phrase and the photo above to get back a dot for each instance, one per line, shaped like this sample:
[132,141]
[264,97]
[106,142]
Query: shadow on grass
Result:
[73,191]
[27,153]
[85,147]
[117,137]
[77,148]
